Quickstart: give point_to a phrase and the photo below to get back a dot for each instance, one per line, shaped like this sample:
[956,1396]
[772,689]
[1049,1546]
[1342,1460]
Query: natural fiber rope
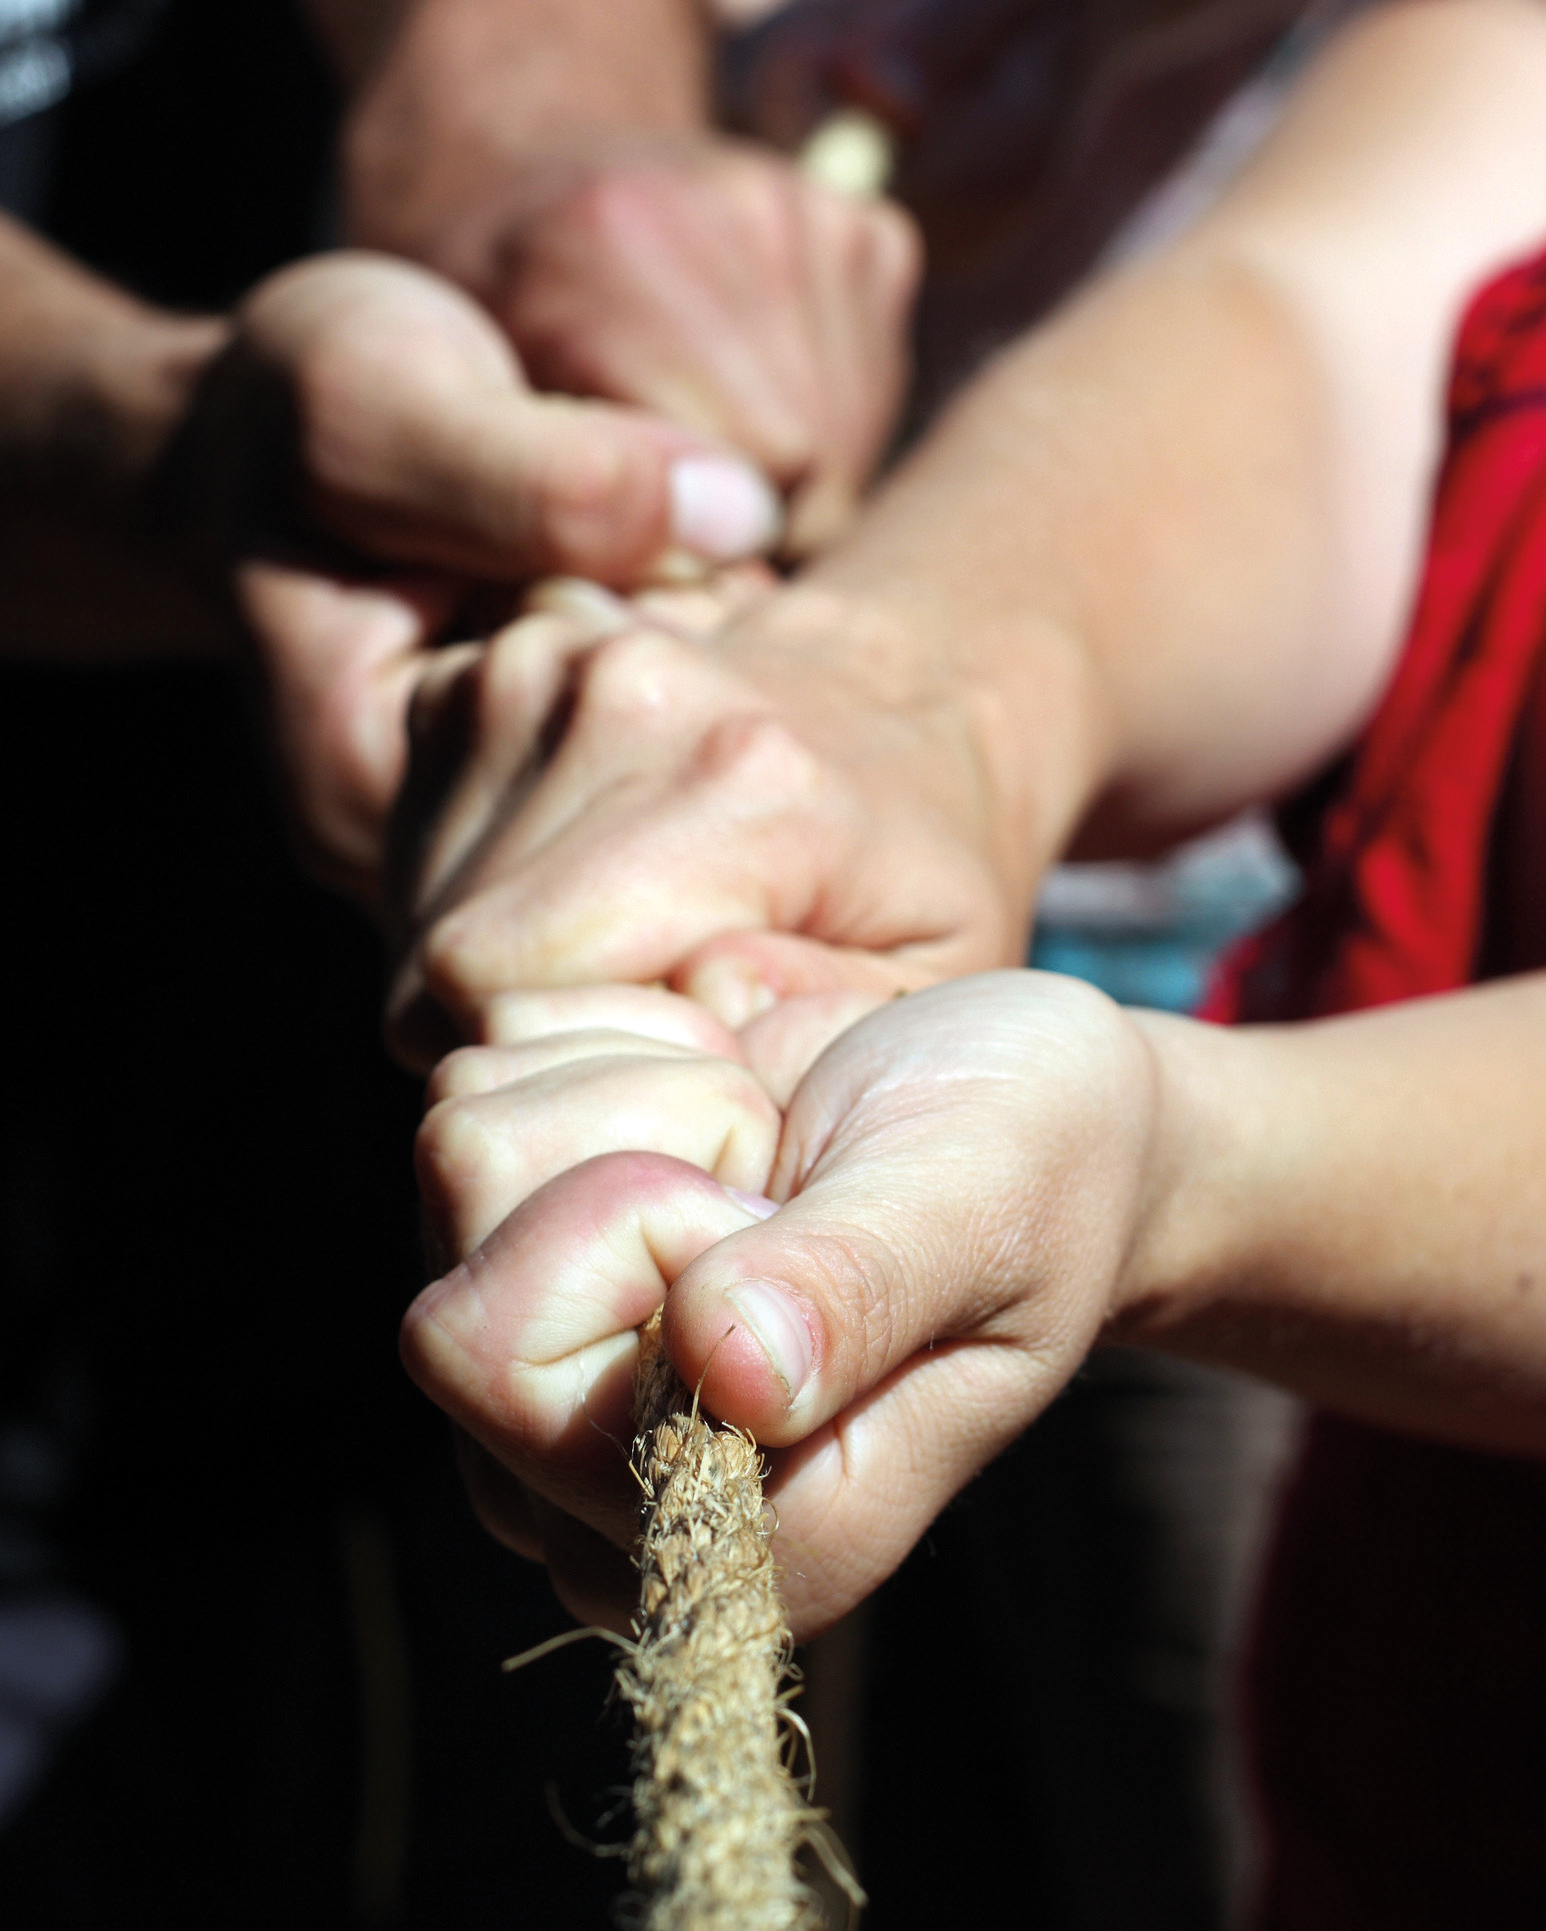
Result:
[718,1817]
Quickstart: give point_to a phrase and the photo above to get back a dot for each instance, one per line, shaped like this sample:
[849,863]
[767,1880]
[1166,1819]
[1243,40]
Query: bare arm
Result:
[92,387]
[338,464]
[1356,1209]
[1152,566]
[1211,473]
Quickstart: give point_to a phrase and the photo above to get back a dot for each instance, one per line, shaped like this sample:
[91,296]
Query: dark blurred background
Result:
[249,1632]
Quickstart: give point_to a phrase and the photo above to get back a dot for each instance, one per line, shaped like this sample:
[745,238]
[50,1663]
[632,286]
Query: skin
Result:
[1152,567]
[975,1184]
[556,158]
[557,162]
[325,476]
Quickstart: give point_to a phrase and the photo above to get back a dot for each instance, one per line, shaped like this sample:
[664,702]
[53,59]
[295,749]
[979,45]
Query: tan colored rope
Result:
[718,1816]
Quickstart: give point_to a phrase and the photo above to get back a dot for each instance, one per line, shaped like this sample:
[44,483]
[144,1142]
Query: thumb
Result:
[789,1321]
[964,1167]
[510,484]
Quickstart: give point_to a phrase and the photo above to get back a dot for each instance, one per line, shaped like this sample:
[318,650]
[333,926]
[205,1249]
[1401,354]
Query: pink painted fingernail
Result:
[779,1327]
[722,509]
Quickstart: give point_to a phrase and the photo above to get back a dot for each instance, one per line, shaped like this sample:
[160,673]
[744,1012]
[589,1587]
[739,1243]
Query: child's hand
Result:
[964,1174]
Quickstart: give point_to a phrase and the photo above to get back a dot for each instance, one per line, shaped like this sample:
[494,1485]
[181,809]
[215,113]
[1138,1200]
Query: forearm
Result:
[469,89]
[92,382]
[1356,1208]
[1209,475]
[92,386]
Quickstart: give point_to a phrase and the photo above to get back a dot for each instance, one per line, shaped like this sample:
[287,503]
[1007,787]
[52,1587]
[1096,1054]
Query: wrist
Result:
[142,393]
[92,387]
[93,397]
[1207,1187]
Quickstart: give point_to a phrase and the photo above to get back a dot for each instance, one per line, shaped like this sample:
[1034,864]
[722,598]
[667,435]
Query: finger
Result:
[600,860]
[782,1045]
[643,296]
[861,272]
[502,1504]
[530,1344]
[679,807]
[700,610]
[478,1155]
[591,1575]
[499,483]
[619,894]
[739,976]
[471,1072]
[473,735]
[420,441]
[925,1203]
[591,603]
[819,512]
[340,659]
[513,1018]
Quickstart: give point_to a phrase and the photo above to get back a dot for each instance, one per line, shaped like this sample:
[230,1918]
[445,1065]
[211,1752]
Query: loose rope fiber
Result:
[718,1815]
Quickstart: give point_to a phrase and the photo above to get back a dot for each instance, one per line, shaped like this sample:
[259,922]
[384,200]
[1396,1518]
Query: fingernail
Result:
[732,992]
[779,1328]
[721,508]
[754,1203]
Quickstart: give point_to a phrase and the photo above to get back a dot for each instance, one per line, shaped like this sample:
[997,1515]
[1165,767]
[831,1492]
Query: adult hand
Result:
[962,1178]
[696,276]
[712,282]
[796,802]
[366,453]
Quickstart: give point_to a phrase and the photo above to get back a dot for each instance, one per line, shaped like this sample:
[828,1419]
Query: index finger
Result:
[530,1343]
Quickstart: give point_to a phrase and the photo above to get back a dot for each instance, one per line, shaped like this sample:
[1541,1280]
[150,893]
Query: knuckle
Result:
[747,1096]
[451,1145]
[467,1071]
[459,1168]
[512,687]
[759,755]
[617,206]
[344,775]
[339,432]
[765,204]
[454,958]
[637,675]
[419,1031]
[778,201]
[895,246]
[858,1307]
